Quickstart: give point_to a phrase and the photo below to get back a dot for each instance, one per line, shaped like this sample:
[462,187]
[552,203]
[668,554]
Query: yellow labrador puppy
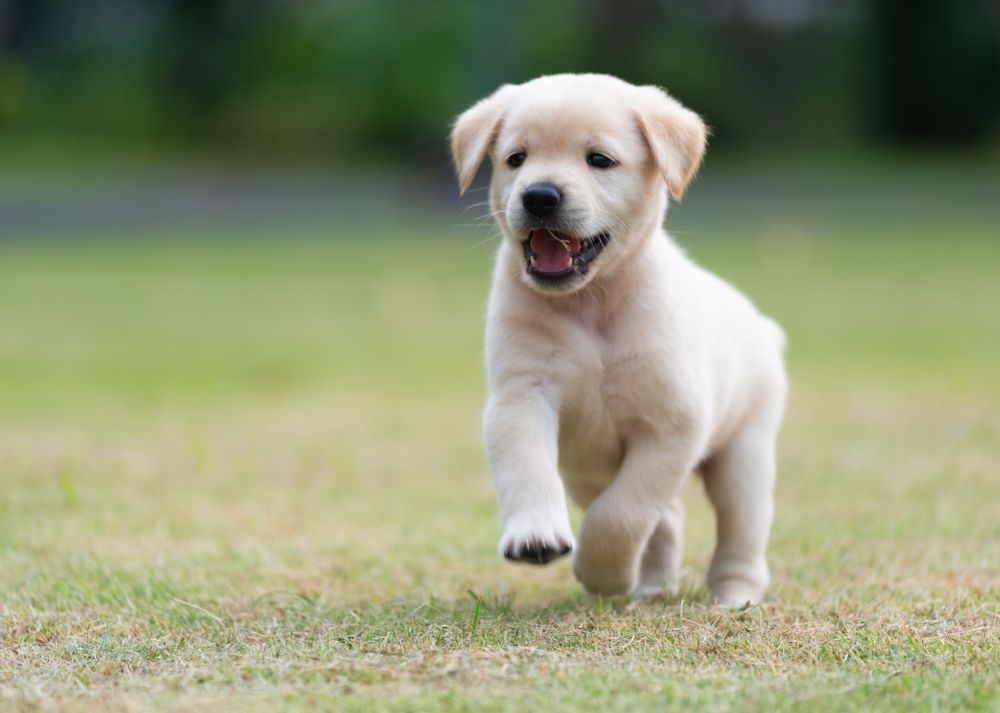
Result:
[616,366]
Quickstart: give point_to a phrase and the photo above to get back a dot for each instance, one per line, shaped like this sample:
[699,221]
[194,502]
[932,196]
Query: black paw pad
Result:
[535,552]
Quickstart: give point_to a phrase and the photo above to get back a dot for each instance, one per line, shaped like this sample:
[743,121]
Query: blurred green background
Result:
[338,80]
[172,167]
[126,114]
[119,116]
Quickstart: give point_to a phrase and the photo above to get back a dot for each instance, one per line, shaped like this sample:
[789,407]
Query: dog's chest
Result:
[611,391]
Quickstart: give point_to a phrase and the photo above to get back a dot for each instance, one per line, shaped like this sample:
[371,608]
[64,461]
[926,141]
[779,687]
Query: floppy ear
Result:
[474,132]
[675,134]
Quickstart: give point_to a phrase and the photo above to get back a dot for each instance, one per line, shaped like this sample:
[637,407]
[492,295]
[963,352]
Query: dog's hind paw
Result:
[736,595]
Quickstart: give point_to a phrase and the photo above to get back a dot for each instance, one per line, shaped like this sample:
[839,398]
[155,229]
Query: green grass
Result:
[248,475]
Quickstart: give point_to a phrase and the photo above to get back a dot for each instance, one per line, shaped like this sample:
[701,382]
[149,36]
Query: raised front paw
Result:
[535,542]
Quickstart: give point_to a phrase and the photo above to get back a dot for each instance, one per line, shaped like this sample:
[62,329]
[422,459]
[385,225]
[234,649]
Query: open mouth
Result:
[555,257]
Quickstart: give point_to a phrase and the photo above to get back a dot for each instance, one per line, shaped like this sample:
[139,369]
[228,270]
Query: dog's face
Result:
[580,166]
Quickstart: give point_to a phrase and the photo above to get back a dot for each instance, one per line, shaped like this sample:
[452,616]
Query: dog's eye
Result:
[599,160]
[516,159]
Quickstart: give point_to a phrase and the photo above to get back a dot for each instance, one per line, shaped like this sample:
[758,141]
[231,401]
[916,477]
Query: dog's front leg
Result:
[619,523]
[521,428]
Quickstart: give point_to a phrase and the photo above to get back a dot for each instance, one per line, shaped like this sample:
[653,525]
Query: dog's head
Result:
[581,164]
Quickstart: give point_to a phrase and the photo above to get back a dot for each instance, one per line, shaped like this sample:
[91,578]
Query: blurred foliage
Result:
[382,78]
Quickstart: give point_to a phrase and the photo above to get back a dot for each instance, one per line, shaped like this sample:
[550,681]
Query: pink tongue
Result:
[551,255]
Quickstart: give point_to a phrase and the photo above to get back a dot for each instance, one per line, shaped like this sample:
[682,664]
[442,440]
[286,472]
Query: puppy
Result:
[615,365]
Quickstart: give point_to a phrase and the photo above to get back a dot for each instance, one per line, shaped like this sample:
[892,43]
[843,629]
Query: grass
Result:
[248,475]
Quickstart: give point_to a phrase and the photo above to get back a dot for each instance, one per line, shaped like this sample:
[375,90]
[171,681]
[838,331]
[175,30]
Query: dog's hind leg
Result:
[739,481]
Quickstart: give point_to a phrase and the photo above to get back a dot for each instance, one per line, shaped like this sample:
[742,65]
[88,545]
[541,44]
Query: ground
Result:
[248,474]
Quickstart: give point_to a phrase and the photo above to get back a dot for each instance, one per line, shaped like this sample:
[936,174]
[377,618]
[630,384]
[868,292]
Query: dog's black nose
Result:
[541,199]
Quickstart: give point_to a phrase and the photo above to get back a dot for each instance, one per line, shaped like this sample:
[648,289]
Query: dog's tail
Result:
[779,333]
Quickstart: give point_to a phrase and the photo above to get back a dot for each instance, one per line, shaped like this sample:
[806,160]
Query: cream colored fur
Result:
[648,368]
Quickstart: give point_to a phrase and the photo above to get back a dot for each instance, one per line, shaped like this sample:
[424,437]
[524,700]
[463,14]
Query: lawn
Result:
[248,475]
